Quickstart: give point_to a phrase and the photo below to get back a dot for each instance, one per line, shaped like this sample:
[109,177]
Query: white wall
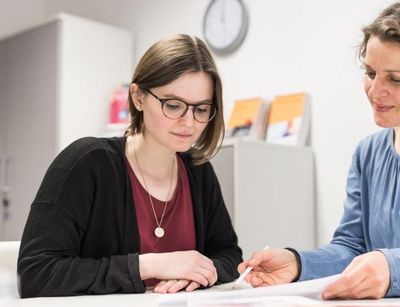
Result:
[16,15]
[292,45]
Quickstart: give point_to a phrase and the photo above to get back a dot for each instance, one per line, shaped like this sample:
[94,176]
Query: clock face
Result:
[225,25]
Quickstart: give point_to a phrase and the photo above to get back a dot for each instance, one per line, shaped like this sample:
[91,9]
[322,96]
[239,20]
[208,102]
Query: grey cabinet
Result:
[55,81]
[269,192]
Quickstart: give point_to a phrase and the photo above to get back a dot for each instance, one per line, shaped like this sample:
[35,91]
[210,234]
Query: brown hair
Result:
[166,61]
[386,27]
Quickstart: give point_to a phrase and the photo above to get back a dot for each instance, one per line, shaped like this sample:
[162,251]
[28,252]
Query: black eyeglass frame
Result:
[195,106]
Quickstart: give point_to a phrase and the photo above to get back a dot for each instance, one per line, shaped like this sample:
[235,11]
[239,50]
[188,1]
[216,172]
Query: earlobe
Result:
[136,97]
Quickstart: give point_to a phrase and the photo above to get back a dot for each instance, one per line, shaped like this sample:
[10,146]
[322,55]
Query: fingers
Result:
[192,286]
[256,281]
[257,259]
[199,278]
[202,271]
[367,276]
[260,257]
[179,285]
[210,274]
[349,284]
[159,286]
[171,286]
[254,262]
[205,277]
[342,288]
[183,265]
[352,287]
[243,266]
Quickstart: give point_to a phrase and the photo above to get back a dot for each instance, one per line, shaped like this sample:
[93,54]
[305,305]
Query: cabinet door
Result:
[270,190]
[30,111]
[2,135]
[274,204]
[95,59]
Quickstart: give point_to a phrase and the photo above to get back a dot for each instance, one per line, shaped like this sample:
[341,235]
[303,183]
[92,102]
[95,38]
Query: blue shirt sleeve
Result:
[371,219]
[393,258]
[348,240]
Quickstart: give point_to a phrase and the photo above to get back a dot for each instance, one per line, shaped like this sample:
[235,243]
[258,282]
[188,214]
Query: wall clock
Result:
[225,25]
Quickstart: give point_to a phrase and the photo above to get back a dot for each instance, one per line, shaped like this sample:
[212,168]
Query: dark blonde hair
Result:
[386,27]
[166,61]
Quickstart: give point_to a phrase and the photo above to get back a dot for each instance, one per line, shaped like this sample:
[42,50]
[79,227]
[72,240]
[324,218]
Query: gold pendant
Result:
[159,232]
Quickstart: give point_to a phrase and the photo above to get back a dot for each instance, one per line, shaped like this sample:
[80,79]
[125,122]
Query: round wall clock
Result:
[225,25]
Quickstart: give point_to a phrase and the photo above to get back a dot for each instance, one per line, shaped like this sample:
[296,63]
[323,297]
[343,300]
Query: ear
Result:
[137,96]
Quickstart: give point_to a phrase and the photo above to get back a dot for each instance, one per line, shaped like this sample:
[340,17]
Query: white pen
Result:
[244,274]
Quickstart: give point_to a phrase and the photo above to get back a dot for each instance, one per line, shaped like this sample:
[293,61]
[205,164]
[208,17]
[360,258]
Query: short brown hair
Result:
[164,62]
[386,27]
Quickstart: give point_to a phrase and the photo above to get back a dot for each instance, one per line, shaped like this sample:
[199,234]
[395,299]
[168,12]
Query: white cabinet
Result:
[269,192]
[55,81]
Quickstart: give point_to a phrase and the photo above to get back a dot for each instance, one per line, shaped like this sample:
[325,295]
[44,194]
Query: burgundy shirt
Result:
[178,221]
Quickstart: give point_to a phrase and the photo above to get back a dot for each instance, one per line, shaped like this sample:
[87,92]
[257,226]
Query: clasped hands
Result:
[367,276]
[178,270]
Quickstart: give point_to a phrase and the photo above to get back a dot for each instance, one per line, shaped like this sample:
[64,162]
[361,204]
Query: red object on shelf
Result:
[119,110]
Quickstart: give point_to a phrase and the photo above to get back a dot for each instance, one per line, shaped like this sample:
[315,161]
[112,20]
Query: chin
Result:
[386,120]
[182,148]
[383,124]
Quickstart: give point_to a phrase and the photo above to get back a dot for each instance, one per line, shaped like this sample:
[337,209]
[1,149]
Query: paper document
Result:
[253,301]
[310,288]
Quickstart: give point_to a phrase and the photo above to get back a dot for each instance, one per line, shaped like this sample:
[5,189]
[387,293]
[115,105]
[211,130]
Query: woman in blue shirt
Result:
[366,245]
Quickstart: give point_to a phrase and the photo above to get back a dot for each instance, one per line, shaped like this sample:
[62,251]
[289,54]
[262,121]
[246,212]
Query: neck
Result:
[154,160]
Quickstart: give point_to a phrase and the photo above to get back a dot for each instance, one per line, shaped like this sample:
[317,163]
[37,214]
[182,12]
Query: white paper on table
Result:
[253,301]
[310,288]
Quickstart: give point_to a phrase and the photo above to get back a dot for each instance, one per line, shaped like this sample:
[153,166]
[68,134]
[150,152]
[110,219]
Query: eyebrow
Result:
[386,70]
[173,96]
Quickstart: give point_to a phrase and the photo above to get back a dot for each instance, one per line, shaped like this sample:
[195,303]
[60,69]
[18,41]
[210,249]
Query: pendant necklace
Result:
[158,231]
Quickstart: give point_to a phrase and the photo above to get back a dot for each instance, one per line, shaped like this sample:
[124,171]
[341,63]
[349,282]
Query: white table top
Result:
[9,296]
[147,299]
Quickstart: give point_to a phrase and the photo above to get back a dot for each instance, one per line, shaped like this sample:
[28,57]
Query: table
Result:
[148,299]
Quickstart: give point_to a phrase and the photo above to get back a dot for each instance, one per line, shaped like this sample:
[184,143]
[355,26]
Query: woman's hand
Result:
[172,286]
[367,276]
[185,265]
[270,267]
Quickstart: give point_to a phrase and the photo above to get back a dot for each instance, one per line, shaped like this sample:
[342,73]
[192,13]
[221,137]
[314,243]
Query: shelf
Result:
[269,192]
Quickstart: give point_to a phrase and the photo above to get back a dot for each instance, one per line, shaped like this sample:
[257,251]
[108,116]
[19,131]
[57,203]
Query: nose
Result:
[377,88]
[188,117]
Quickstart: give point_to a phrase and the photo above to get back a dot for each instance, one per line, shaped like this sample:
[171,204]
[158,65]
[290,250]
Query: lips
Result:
[183,135]
[382,108]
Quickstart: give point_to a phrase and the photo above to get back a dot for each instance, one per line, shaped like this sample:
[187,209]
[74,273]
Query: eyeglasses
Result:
[174,108]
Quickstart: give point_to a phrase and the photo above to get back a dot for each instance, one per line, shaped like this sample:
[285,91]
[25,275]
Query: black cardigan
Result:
[82,237]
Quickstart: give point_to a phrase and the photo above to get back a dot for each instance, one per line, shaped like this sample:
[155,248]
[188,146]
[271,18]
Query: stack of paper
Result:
[309,290]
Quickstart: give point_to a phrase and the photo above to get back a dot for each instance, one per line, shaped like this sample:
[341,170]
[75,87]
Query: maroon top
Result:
[178,221]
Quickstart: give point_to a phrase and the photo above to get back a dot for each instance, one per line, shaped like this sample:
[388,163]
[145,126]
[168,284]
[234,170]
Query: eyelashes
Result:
[371,75]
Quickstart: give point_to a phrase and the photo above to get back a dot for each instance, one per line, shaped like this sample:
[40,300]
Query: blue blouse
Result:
[371,219]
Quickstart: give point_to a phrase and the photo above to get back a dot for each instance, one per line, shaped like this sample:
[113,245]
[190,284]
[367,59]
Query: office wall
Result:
[16,15]
[292,45]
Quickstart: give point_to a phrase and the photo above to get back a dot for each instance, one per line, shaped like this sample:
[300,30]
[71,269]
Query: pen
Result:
[244,274]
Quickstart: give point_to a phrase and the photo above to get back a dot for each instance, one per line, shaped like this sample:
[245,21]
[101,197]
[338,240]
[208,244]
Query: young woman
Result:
[366,245]
[119,214]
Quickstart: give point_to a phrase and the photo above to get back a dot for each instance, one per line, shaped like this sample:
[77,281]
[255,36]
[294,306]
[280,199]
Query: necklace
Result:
[158,231]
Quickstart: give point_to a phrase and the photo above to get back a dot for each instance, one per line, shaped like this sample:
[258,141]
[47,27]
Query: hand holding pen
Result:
[245,273]
[268,267]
